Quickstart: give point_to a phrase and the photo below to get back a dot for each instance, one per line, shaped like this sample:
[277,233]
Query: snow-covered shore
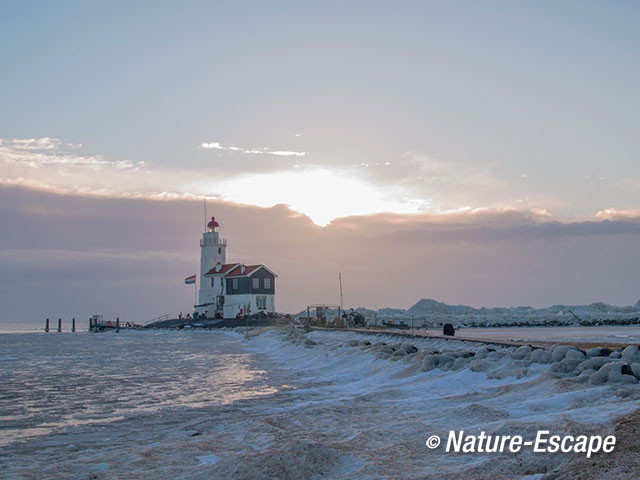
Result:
[325,404]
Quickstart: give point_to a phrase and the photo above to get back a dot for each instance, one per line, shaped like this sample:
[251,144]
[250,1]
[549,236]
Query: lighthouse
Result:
[231,290]
[213,251]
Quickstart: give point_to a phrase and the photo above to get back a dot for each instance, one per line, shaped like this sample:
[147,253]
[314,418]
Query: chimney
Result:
[218,267]
[242,269]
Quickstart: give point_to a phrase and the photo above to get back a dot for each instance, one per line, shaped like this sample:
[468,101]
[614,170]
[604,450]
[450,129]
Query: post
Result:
[90,324]
[59,325]
[46,325]
[73,324]
[117,324]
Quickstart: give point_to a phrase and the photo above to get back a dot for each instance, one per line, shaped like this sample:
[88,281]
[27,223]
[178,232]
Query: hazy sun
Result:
[321,194]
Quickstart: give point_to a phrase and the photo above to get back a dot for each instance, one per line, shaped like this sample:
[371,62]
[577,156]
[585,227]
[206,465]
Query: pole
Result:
[46,325]
[205,214]
[73,324]
[117,324]
[59,325]
[340,278]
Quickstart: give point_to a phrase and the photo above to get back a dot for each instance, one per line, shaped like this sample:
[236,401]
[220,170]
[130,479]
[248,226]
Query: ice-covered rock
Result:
[460,363]
[598,352]
[631,354]
[439,360]
[409,348]
[521,352]
[540,355]
[484,352]
[566,365]
[613,372]
[559,351]
[594,363]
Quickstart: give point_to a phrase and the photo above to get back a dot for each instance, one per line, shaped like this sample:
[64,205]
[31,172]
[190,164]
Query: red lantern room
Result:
[213,225]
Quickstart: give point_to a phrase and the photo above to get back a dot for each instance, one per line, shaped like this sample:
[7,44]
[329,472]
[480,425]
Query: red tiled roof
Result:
[248,270]
[234,270]
[227,267]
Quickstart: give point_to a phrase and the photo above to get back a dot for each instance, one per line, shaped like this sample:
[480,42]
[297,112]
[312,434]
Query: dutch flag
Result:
[190,280]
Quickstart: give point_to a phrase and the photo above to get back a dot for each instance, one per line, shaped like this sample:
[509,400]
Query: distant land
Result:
[434,313]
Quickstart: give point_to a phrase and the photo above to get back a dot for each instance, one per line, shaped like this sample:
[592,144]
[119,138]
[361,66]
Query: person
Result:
[180,315]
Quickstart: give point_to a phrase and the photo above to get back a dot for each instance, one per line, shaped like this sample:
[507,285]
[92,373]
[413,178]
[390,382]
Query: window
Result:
[235,284]
[267,283]
[219,249]
[212,280]
[256,283]
[221,281]
[261,302]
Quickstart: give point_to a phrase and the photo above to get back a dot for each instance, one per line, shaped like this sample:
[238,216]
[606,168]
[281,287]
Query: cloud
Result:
[256,151]
[43,143]
[46,151]
[414,185]
[138,251]
[613,214]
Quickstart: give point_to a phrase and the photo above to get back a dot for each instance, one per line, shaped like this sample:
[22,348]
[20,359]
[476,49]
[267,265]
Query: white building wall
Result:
[233,304]
[212,251]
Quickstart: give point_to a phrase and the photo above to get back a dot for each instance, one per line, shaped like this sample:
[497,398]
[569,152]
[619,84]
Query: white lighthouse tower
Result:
[212,252]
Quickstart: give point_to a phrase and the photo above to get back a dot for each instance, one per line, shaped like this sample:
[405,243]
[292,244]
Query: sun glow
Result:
[321,194]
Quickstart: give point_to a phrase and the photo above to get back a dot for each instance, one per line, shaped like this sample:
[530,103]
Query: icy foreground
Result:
[285,405]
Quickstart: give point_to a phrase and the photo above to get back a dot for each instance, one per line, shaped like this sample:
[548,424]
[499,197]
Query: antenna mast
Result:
[205,213]
[340,278]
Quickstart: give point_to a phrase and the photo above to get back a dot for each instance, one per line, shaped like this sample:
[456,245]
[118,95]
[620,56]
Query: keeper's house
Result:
[229,290]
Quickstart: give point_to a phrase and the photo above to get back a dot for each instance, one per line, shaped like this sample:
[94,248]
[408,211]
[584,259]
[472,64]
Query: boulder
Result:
[521,352]
[567,365]
[438,360]
[598,352]
[409,348]
[559,352]
[594,363]
[575,354]
[631,354]
[540,355]
[611,373]
[483,352]
[460,363]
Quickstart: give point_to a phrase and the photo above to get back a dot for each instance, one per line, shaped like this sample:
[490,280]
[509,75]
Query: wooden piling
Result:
[46,325]
[73,324]
[117,324]
[59,325]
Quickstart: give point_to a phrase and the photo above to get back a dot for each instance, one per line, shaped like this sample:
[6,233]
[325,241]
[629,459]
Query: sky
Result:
[484,153]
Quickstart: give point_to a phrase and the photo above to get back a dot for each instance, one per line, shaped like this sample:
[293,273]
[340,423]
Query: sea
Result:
[274,403]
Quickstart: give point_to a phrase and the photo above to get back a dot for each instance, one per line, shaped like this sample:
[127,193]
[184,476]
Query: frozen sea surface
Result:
[167,405]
